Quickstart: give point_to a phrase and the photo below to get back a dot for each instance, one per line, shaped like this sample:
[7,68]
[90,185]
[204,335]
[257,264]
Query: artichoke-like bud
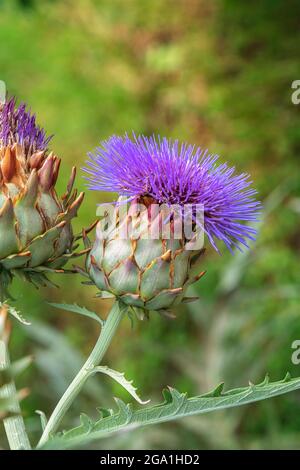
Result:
[35,224]
[140,258]
[153,272]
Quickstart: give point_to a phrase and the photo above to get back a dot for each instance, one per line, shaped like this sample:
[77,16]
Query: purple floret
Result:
[17,125]
[178,173]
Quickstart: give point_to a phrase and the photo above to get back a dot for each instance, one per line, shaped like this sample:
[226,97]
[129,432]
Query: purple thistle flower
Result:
[17,125]
[177,173]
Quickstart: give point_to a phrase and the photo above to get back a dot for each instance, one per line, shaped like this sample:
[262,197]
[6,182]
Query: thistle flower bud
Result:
[35,224]
[139,261]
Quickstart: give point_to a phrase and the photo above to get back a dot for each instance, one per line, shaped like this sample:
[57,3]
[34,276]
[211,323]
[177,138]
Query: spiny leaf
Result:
[17,315]
[86,422]
[176,405]
[74,308]
[105,412]
[216,392]
[265,381]
[171,395]
[120,378]
[287,377]
[124,412]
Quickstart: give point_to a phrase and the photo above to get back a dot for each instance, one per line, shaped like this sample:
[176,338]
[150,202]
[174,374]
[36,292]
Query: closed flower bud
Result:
[148,273]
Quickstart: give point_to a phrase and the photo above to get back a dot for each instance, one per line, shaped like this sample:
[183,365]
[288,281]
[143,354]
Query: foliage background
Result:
[217,73]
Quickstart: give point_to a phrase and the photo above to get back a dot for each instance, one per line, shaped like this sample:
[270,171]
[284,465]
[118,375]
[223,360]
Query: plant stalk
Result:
[103,342]
[14,425]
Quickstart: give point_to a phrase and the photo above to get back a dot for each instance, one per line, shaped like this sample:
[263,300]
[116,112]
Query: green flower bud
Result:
[144,272]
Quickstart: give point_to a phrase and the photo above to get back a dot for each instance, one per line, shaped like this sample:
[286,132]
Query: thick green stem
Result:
[13,425]
[104,340]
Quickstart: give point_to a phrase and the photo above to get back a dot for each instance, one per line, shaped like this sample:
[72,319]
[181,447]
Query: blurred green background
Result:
[217,73]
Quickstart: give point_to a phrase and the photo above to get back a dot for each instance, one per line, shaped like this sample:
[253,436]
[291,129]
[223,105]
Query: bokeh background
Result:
[217,73]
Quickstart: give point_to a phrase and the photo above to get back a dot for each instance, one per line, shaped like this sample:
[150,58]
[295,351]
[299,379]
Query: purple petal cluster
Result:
[178,173]
[17,125]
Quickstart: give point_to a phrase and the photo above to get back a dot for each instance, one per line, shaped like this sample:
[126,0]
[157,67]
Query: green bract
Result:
[145,273]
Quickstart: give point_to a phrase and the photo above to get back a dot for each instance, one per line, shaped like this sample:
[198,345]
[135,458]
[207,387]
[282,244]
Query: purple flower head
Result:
[17,125]
[177,173]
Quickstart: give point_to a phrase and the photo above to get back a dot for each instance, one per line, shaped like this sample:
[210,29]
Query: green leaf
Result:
[176,405]
[74,308]
[120,378]
[86,422]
